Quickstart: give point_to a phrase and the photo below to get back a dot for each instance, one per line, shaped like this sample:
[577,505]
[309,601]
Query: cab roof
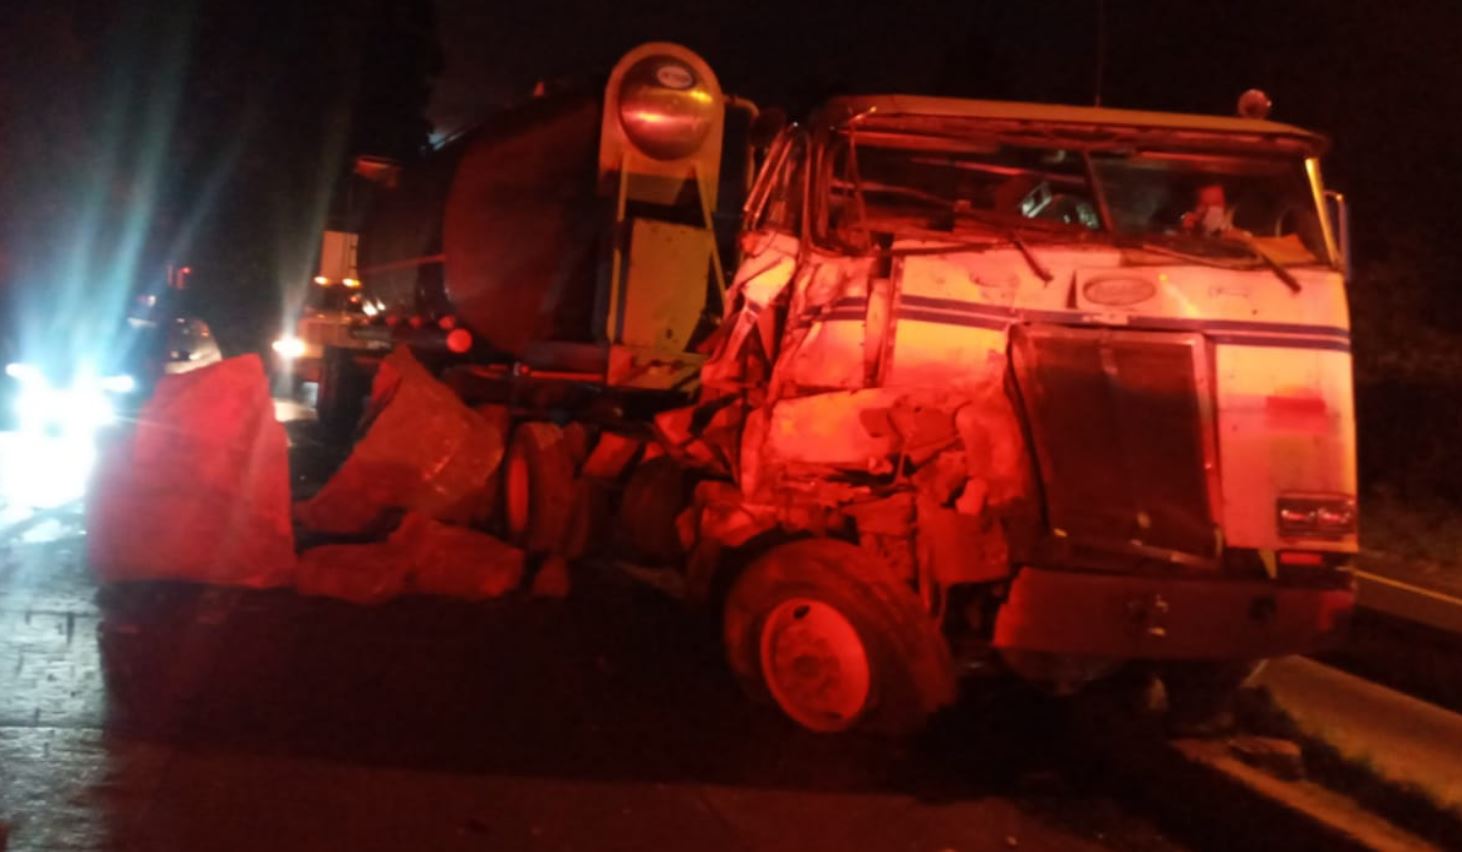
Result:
[887,109]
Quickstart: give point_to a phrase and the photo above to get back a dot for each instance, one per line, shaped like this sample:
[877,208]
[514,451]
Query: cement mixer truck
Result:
[993,387]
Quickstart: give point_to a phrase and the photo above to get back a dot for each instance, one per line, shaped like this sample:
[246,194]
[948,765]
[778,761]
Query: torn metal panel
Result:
[748,324]
[885,527]
[996,455]
[951,312]
[722,514]
[827,428]
[942,477]
[893,515]
[719,517]
[956,548]
[704,436]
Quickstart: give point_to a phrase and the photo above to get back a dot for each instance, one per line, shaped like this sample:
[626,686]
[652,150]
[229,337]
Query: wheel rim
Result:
[814,664]
[518,491]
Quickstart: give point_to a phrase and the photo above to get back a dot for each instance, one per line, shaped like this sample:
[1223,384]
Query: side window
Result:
[776,200]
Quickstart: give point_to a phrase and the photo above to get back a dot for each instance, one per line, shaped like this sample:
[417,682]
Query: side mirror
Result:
[1339,213]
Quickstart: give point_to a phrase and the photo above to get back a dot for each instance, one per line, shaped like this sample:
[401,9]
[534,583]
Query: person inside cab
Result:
[1211,216]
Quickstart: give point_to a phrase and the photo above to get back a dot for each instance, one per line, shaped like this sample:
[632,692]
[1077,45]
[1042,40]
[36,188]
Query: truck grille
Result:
[1121,427]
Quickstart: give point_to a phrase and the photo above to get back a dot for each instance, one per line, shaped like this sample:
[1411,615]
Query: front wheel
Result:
[835,641]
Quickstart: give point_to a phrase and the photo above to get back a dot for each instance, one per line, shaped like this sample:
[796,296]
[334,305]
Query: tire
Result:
[867,656]
[657,492]
[538,488]
[340,397]
[590,520]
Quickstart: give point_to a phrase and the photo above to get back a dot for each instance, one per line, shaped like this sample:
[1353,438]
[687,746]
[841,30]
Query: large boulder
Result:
[200,489]
[359,573]
[425,452]
[422,556]
[457,562]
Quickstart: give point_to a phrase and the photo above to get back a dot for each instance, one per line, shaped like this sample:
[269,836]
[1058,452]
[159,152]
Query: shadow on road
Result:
[614,684]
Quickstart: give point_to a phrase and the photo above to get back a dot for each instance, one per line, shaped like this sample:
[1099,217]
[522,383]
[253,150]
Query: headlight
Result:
[1316,517]
[24,373]
[119,384]
[289,347]
[79,409]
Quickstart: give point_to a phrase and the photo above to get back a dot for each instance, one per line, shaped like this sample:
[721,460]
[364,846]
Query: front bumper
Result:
[1141,617]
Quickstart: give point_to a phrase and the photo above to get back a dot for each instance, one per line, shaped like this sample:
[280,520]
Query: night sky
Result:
[242,113]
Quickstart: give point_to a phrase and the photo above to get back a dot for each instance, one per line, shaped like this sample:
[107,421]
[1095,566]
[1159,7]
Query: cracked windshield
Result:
[1219,207]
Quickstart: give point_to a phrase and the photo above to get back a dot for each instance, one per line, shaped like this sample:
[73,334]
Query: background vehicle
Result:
[77,387]
[974,393]
[333,305]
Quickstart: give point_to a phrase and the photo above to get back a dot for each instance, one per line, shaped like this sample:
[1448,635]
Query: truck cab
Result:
[1075,383]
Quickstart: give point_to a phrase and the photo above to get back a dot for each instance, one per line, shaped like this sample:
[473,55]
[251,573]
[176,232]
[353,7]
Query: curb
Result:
[1332,820]
[1199,792]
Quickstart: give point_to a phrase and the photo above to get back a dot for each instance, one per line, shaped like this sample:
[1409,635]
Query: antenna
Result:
[1101,52]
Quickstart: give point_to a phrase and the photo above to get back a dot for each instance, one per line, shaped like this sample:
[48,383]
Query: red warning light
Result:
[459,340]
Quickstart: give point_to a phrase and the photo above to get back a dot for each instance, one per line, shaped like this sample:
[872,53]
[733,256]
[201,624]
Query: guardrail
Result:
[1405,600]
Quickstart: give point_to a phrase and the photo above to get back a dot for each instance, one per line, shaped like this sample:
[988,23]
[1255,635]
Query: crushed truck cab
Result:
[993,344]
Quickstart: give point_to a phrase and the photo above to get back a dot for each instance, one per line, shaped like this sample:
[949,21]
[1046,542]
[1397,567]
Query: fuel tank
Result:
[501,227]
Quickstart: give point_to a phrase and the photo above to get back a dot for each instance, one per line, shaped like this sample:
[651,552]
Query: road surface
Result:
[180,717]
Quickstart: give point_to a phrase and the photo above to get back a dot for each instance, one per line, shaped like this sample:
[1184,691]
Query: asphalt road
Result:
[167,716]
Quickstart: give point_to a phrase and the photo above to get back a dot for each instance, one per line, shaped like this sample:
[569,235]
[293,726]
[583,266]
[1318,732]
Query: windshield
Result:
[1220,206]
[1195,201]
[903,189]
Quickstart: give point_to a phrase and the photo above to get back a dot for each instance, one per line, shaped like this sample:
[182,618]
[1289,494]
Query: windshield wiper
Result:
[1007,231]
[1249,243]
[1011,233]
